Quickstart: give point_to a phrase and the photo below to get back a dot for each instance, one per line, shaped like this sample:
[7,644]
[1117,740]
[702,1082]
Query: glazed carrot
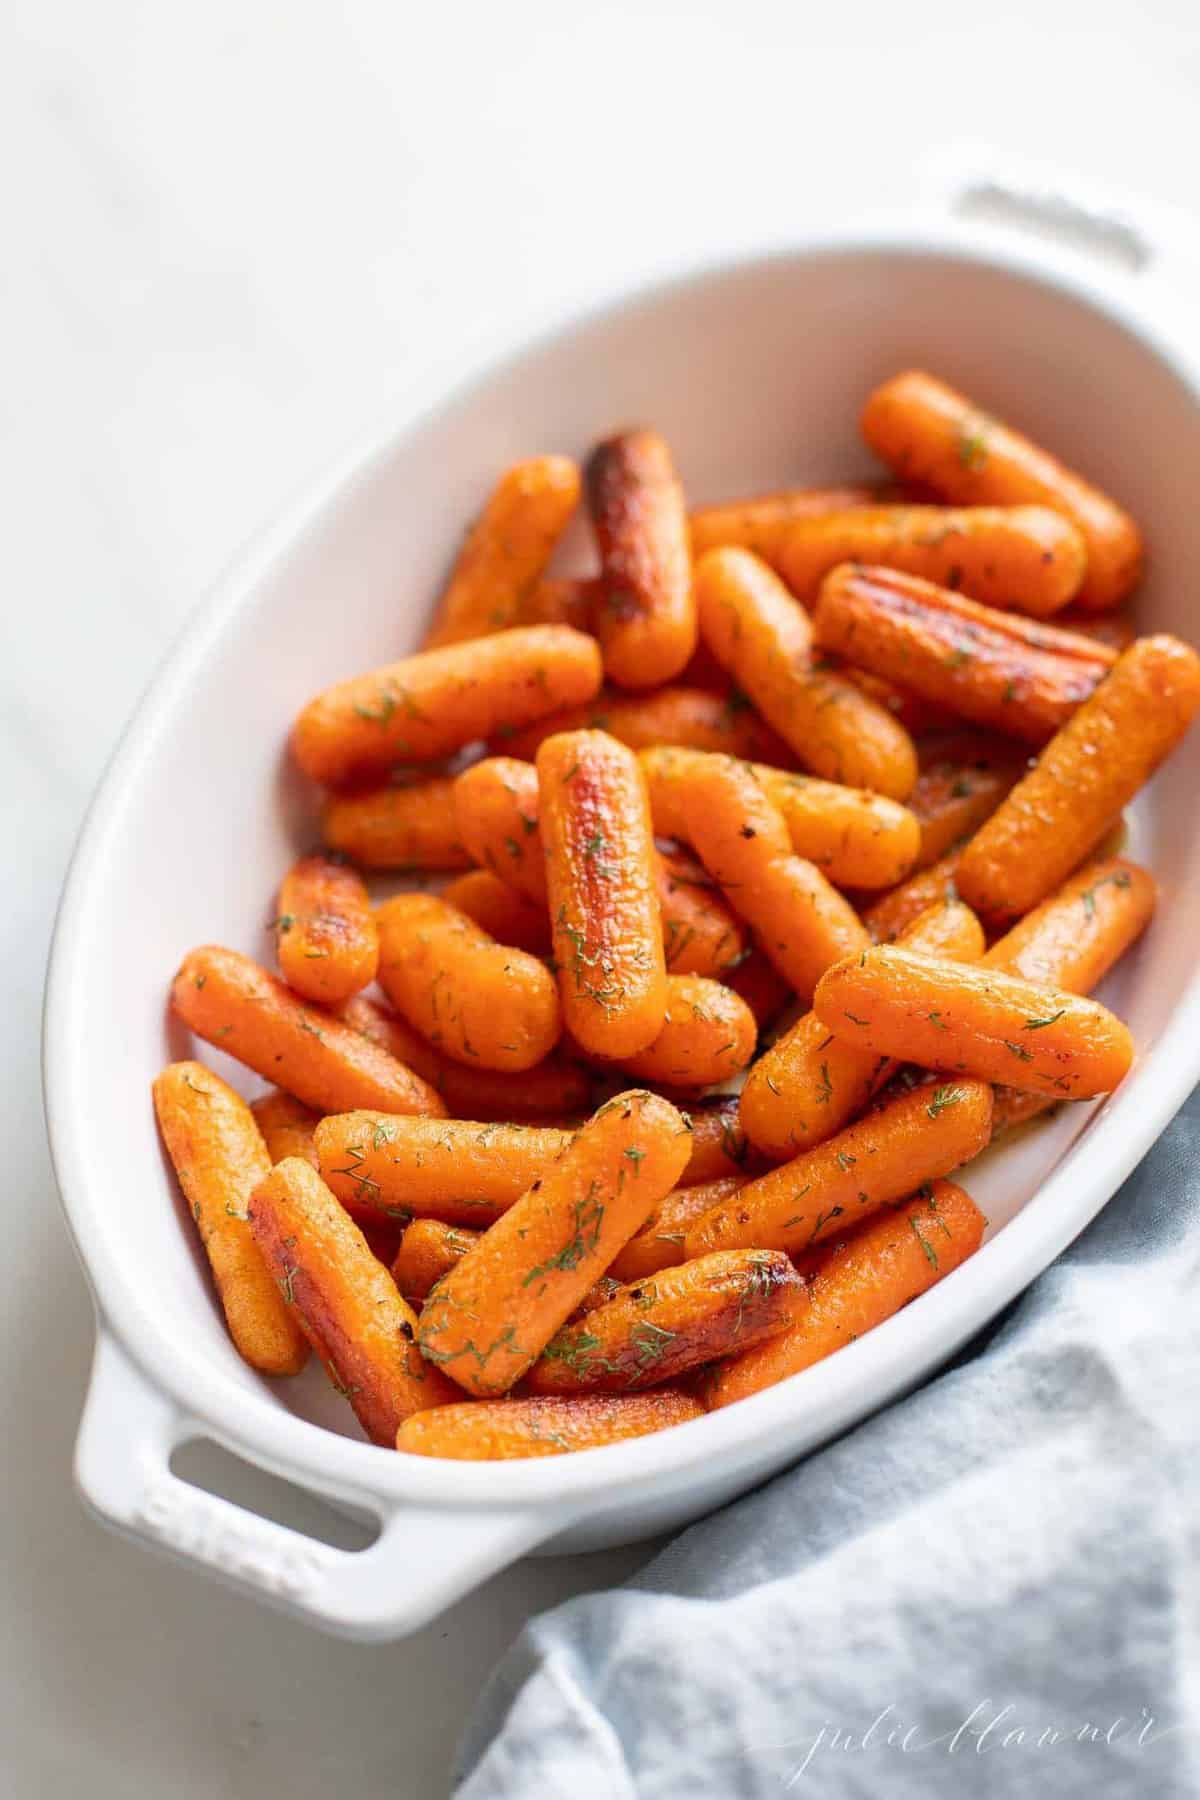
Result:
[927,432]
[1011,1107]
[976,1021]
[645,618]
[659,1243]
[800,921]
[701,935]
[812,1081]
[477,1001]
[410,827]
[448,1169]
[287,1127]
[431,704]
[891,915]
[918,716]
[497,812]
[708,1034]
[758,982]
[219,1157]
[718,1142]
[560,600]
[671,1322]
[325,934]
[963,779]
[507,548]
[1025,557]
[501,910]
[895,1257]
[692,716]
[1097,762]
[602,885]
[909,1137]
[502,1430]
[955,651]
[488,1319]
[393,1034]
[225,997]
[1115,631]
[1073,939]
[762,524]
[344,1300]
[427,1250]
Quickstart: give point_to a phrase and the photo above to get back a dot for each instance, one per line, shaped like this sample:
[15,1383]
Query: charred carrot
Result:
[431,704]
[602,881]
[427,1250]
[497,810]
[700,933]
[813,1081]
[645,617]
[659,1243]
[1096,763]
[479,1002]
[963,779]
[718,1143]
[488,1319]
[501,910]
[448,1169]
[1073,939]
[397,827]
[708,1034]
[225,997]
[507,548]
[976,1021]
[890,916]
[287,1127]
[219,1157]
[764,638]
[325,934]
[909,1137]
[762,524]
[503,1430]
[955,651]
[343,1298]
[927,432]
[691,716]
[671,1322]
[895,1257]
[1022,557]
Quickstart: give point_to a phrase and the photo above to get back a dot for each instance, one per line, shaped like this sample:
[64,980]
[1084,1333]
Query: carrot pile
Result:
[764,876]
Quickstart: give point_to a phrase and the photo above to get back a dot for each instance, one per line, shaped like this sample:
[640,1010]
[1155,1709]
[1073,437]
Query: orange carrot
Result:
[497,809]
[427,1250]
[691,716]
[502,911]
[325,935]
[977,1021]
[560,600]
[891,915]
[762,524]
[448,1169]
[897,1256]
[431,704]
[287,1127]
[708,1034]
[927,432]
[758,982]
[659,1243]
[488,1319]
[701,935]
[226,998]
[764,638]
[919,717]
[646,617]
[1073,939]
[479,1002]
[1115,631]
[219,1156]
[1098,761]
[963,779]
[719,1146]
[602,878]
[507,548]
[407,827]
[502,1430]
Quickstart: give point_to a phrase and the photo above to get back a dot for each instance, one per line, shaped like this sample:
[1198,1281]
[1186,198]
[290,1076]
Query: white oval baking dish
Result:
[755,372]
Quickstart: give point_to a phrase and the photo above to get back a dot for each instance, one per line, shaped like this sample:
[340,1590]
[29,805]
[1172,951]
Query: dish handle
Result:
[422,1561]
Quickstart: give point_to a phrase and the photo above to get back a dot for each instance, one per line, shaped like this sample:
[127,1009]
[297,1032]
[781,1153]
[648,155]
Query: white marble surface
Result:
[233,234]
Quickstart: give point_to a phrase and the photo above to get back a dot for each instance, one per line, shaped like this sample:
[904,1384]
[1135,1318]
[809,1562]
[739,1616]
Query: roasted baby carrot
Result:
[1024,557]
[963,779]
[956,652]
[503,1430]
[497,812]
[758,982]
[907,1138]
[449,1169]
[645,617]
[895,1256]
[560,600]
[479,1002]
[219,1156]
[427,1250]
[344,1300]
[927,432]
[692,716]
[501,910]
[708,1034]
[287,1127]
[495,1312]
[1081,781]
[976,1021]
[800,921]
[659,1243]
[718,1143]
[812,1080]
[918,716]
[659,1328]
[1115,631]
[325,934]
[397,827]
[228,999]
[431,704]
[1073,939]
[700,933]
[890,916]
[762,524]
[602,885]
[506,549]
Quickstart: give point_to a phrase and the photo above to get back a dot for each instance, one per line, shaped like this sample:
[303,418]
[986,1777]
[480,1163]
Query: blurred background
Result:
[235,236]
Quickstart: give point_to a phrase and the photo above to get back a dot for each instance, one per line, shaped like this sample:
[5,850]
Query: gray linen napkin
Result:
[990,1589]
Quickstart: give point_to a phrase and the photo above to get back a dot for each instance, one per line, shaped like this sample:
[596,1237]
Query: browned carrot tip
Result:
[708,1034]
[452,1169]
[325,934]
[226,998]
[287,1127]
[694,716]
[659,1243]
[406,828]
[762,523]
[219,1157]
[645,617]
[500,910]
[718,1143]
[500,1430]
